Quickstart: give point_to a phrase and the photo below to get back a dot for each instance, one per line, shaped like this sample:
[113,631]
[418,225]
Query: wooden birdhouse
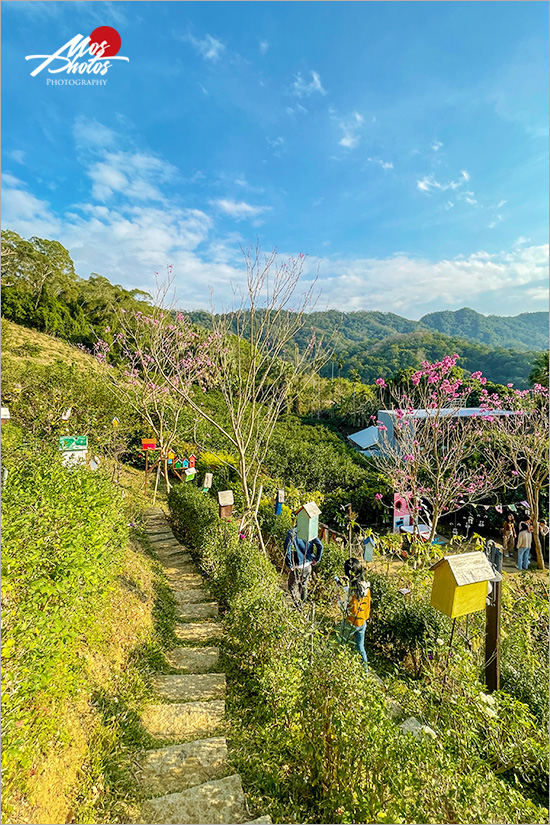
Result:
[207,483]
[185,463]
[461,584]
[149,443]
[307,521]
[225,501]
[368,548]
[5,415]
[192,460]
[401,512]
[190,473]
[279,501]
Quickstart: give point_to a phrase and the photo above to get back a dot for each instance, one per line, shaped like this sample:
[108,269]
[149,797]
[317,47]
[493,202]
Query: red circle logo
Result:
[107,35]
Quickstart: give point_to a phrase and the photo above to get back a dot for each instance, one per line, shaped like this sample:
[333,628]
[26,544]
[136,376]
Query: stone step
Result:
[153,511]
[185,581]
[172,721]
[263,820]
[178,767]
[190,687]
[193,659]
[173,566]
[174,554]
[204,610]
[217,802]
[191,595]
[198,632]
[158,537]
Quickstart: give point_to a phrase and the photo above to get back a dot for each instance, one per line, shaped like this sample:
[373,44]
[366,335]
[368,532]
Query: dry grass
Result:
[63,777]
[23,344]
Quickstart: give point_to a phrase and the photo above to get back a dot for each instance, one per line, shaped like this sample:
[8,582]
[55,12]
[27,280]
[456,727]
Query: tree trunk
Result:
[533,499]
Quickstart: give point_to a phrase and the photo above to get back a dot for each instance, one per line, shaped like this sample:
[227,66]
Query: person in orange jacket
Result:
[357,609]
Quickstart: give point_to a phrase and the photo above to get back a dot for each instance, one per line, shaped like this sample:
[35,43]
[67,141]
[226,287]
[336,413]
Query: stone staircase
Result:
[188,782]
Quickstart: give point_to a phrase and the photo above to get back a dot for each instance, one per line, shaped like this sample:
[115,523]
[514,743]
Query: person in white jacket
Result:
[525,538]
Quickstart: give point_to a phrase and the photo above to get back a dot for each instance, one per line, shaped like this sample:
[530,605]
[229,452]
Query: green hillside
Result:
[527,331]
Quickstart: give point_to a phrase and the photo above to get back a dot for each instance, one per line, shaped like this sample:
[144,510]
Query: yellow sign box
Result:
[461,584]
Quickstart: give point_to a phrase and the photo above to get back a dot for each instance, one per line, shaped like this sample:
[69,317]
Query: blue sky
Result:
[402,146]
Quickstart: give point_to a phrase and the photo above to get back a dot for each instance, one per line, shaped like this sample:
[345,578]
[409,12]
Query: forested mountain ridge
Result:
[526,331]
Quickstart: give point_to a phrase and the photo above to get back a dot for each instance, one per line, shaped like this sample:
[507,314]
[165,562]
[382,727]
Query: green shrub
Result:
[63,534]
[193,513]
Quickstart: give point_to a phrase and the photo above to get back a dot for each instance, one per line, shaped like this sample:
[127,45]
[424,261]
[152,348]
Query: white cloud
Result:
[210,48]
[413,286]
[296,110]
[501,203]
[351,129]
[264,46]
[302,88]
[429,183]
[134,174]
[240,210]
[436,145]
[89,133]
[385,164]
[17,155]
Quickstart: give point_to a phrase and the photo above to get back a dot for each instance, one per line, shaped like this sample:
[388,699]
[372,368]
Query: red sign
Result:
[149,443]
[191,461]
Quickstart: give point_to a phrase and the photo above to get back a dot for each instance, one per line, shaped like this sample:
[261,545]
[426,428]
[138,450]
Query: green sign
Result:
[73,442]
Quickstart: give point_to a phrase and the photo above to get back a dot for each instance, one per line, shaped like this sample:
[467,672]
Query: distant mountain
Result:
[527,331]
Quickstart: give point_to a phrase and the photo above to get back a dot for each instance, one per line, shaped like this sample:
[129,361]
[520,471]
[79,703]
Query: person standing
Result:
[357,609]
[509,535]
[525,538]
[300,559]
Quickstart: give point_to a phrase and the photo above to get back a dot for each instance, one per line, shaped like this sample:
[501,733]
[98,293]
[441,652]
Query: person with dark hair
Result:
[300,558]
[508,535]
[358,607]
[525,538]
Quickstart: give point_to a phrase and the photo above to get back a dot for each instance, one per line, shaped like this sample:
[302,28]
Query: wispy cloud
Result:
[385,164]
[436,145]
[17,155]
[264,46]
[133,174]
[240,210]
[301,88]
[351,129]
[429,183]
[210,48]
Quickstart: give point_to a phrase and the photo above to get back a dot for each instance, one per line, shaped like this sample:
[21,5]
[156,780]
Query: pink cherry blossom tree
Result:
[139,368]
[433,452]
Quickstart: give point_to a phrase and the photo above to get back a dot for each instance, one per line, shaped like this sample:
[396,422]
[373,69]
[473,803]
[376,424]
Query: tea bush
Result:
[63,535]
[311,736]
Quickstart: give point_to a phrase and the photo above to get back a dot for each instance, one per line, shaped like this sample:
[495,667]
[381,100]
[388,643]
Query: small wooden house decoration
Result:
[279,501]
[207,483]
[368,548]
[189,473]
[149,443]
[225,501]
[461,583]
[307,521]
[185,463]
[192,461]
[5,415]
[401,512]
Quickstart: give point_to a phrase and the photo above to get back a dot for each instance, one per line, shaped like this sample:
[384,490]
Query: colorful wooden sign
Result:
[192,460]
[149,443]
[207,483]
[115,422]
[368,548]
[73,443]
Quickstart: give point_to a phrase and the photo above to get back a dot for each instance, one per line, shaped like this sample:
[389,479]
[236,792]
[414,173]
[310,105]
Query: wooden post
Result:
[492,639]
[146,470]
